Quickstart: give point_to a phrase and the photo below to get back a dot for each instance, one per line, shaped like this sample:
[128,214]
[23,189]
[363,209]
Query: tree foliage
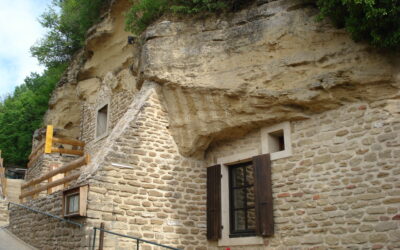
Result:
[22,112]
[374,21]
[67,28]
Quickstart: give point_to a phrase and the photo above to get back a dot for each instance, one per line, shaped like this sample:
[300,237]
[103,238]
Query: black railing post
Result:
[101,237]
[138,244]
[94,239]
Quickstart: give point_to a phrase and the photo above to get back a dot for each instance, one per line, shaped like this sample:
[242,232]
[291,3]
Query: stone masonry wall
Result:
[146,189]
[340,189]
[119,100]
[3,212]
[44,232]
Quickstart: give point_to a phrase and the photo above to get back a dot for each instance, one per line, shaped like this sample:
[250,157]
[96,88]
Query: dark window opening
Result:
[102,117]
[276,141]
[242,200]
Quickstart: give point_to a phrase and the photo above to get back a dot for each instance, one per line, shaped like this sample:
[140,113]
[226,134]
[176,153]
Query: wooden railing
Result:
[46,146]
[33,187]
[3,179]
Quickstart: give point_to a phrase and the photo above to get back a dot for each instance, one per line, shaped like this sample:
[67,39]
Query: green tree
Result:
[374,21]
[22,112]
[66,29]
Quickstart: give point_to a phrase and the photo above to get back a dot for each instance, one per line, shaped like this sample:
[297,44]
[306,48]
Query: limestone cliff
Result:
[223,76]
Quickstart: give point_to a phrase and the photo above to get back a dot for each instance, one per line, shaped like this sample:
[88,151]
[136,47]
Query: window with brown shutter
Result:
[263,194]
[250,199]
[214,202]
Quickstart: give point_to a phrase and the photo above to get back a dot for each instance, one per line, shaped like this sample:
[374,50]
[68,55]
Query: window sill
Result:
[100,137]
[72,215]
[241,241]
[280,155]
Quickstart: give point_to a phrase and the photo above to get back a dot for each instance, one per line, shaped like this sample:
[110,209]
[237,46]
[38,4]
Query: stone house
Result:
[260,130]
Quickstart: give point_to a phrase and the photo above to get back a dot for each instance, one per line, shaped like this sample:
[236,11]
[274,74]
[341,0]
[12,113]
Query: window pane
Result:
[240,220]
[238,198]
[237,177]
[73,203]
[249,175]
[251,219]
[250,197]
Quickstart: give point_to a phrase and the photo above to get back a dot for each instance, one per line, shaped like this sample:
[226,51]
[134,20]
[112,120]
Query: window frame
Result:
[68,201]
[287,138]
[100,107]
[225,239]
[82,192]
[232,209]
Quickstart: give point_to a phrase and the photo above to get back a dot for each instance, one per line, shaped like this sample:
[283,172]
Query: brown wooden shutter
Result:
[214,202]
[263,195]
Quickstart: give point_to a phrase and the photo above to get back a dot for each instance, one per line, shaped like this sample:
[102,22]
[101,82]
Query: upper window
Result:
[242,200]
[276,140]
[102,121]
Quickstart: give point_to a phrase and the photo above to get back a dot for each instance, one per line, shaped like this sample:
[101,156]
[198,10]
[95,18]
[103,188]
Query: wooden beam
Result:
[49,139]
[50,185]
[83,197]
[68,167]
[69,142]
[3,179]
[67,151]
[37,149]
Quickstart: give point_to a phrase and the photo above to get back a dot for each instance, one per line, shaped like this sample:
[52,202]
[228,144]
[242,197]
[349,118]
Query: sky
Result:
[19,30]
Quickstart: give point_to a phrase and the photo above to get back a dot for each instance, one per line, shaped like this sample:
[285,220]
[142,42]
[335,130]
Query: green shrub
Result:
[144,12]
[374,21]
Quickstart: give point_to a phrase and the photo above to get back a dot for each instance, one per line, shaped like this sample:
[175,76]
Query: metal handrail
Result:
[44,213]
[138,240]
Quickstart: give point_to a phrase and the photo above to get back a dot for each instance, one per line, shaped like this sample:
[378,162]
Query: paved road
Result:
[10,242]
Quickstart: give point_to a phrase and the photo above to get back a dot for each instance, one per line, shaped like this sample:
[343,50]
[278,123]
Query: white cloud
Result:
[19,30]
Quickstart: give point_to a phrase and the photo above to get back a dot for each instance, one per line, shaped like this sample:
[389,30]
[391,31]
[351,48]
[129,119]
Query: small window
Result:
[242,200]
[72,206]
[74,201]
[102,121]
[276,140]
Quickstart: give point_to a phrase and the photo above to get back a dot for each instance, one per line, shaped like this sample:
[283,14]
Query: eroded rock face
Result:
[265,64]
[222,77]
[107,55]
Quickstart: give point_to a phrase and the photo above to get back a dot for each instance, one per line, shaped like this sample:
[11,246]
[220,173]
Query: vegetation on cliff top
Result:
[144,12]
[374,21]
[67,23]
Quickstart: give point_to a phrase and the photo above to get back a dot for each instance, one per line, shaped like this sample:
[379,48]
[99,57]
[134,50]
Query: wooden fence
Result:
[33,187]
[3,179]
[46,146]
